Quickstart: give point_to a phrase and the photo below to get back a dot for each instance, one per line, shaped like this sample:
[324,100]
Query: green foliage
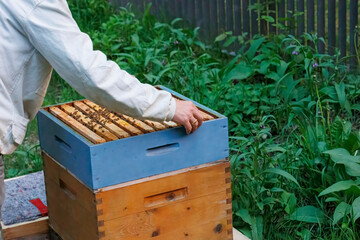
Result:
[293,115]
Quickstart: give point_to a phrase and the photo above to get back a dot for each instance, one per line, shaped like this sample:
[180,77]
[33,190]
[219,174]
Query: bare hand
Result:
[187,115]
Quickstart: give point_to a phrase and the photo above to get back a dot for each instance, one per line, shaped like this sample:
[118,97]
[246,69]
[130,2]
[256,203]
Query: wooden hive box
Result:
[110,148]
[191,203]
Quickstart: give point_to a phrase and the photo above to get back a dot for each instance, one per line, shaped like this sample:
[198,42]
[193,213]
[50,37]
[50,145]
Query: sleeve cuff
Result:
[172,109]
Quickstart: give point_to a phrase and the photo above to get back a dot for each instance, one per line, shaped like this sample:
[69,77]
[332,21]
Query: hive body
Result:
[192,203]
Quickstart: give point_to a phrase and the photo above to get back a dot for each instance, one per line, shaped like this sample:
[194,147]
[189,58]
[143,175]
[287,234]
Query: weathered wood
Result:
[88,122]
[342,28]
[310,16]
[246,17]
[354,4]
[254,20]
[137,123]
[26,230]
[214,30]
[156,125]
[117,120]
[167,206]
[331,26]
[290,15]
[222,15]
[321,24]
[81,129]
[300,18]
[281,15]
[230,15]
[119,132]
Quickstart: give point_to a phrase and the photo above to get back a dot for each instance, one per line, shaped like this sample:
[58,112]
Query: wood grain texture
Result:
[137,123]
[192,203]
[89,123]
[130,200]
[71,205]
[156,125]
[81,129]
[117,120]
[26,230]
[119,132]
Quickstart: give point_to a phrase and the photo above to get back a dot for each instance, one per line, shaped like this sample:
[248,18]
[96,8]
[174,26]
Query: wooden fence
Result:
[336,21]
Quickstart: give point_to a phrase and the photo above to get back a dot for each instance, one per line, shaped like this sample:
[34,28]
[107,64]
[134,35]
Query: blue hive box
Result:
[123,160]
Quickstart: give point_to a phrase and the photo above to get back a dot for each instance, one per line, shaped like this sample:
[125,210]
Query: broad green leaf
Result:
[268,18]
[282,173]
[244,215]
[221,37]
[309,214]
[339,154]
[254,45]
[240,71]
[339,186]
[356,209]
[340,211]
[340,90]
[257,228]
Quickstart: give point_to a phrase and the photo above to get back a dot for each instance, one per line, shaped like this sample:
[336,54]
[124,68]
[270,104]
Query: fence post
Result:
[281,15]
[254,21]
[300,18]
[289,16]
[342,28]
[321,24]
[230,15]
[353,36]
[222,17]
[214,23]
[331,26]
[246,17]
[272,13]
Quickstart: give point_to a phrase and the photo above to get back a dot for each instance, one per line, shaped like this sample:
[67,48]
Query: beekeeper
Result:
[39,35]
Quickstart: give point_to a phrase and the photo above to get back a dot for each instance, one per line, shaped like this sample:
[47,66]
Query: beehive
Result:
[192,203]
[103,148]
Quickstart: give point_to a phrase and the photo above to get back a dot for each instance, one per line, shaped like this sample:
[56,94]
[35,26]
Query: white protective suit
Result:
[38,35]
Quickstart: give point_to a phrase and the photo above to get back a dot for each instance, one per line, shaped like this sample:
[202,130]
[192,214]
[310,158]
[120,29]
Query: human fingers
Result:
[198,117]
[188,126]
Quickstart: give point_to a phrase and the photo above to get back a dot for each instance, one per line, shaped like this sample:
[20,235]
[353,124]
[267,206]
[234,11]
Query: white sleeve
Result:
[55,34]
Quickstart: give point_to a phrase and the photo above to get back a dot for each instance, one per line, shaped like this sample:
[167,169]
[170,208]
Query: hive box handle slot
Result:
[67,190]
[161,150]
[63,144]
[166,197]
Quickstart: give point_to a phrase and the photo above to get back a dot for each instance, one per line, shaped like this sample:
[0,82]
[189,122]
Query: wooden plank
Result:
[272,13]
[263,22]
[354,4]
[331,26]
[95,116]
[191,12]
[246,17]
[281,15]
[81,129]
[178,220]
[310,16]
[156,125]
[342,28]
[321,24]
[206,15]
[25,229]
[124,199]
[230,16]
[214,31]
[65,194]
[137,123]
[117,120]
[237,17]
[88,122]
[254,20]
[199,17]
[171,124]
[300,18]
[289,16]
[222,16]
